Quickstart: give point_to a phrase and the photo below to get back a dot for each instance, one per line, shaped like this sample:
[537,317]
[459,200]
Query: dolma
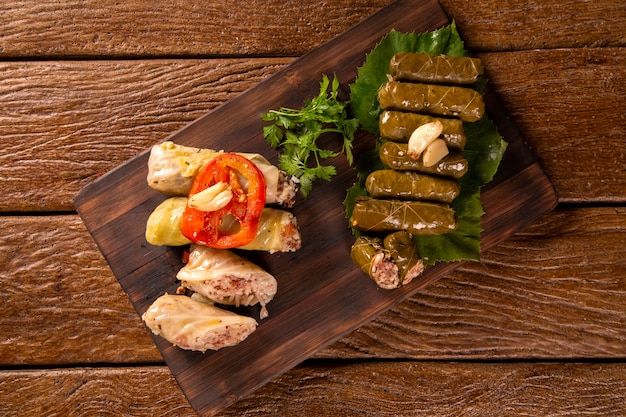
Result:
[278,229]
[397,126]
[438,69]
[395,156]
[404,254]
[416,217]
[441,100]
[369,254]
[226,278]
[172,169]
[409,185]
[194,325]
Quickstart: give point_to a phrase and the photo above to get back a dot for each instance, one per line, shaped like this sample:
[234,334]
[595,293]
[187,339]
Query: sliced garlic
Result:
[211,199]
[422,137]
[435,152]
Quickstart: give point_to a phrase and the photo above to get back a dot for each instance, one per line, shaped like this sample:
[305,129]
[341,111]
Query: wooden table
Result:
[537,328]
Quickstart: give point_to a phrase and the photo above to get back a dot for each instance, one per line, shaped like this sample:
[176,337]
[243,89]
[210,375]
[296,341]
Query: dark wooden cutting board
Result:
[321,295]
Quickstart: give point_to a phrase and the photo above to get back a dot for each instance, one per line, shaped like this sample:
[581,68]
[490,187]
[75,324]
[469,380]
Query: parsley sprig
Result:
[295,133]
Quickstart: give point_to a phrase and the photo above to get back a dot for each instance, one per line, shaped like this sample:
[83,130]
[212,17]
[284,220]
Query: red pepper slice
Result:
[206,228]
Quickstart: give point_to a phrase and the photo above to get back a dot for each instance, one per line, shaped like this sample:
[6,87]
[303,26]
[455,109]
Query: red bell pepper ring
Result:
[205,227]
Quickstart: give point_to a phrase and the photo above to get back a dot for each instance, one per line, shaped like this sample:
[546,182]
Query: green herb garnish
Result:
[484,147]
[295,132]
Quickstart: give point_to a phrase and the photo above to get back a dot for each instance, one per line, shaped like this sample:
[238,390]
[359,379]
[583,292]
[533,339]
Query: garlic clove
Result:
[422,137]
[211,199]
[435,152]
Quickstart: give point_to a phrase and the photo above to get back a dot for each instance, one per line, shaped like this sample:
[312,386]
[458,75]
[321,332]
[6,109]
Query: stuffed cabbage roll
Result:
[442,100]
[226,278]
[416,217]
[278,229]
[193,325]
[404,254]
[439,69]
[409,185]
[163,226]
[278,232]
[172,169]
[395,156]
[369,254]
[398,126]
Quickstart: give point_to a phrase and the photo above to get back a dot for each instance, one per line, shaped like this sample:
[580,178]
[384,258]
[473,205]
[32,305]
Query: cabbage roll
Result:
[398,126]
[278,232]
[193,325]
[369,254]
[278,229]
[226,278]
[416,217]
[409,185]
[438,69]
[395,156]
[404,254]
[172,169]
[441,100]
[163,226]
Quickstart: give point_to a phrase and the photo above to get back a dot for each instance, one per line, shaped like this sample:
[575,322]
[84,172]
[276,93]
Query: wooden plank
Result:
[138,391]
[175,28]
[58,292]
[573,115]
[78,126]
[412,389]
[183,28]
[551,291]
[323,389]
[492,25]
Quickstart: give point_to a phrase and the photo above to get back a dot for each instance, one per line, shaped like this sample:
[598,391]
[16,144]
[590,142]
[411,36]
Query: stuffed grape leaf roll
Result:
[194,325]
[416,217]
[409,185]
[438,69]
[404,254]
[226,278]
[374,260]
[397,126]
[395,156]
[442,100]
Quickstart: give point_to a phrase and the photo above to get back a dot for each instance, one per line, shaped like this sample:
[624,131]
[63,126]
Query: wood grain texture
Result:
[316,389]
[180,28]
[59,293]
[494,25]
[401,389]
[76,120]
[184,28]
[552,291]
[138,391]
[572,112]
